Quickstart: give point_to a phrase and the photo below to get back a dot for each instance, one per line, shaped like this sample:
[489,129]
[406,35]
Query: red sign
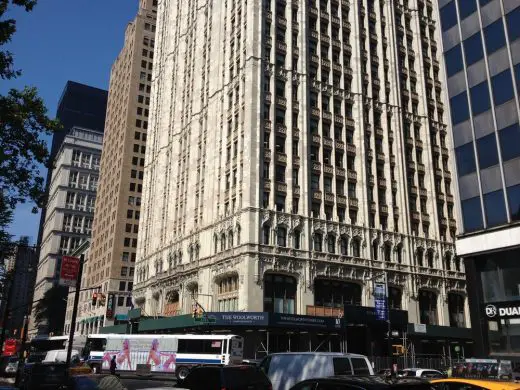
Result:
[69,271]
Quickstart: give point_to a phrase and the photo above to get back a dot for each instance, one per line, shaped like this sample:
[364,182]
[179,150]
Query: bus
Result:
[163,353]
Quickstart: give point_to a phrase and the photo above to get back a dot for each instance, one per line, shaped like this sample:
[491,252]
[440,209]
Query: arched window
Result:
[430,258]
[331,243]
[456,310]
[230,239]
[447,260]
[216,243]
[197,249]
[266,231]
[223,242]
[456,260]
[343,245]
[335,293]
[281,236]
[238,235]
[428,307]
[420,257]
[394,297]
[375,250]
[318,242]
[399,251]
[227,296]
[356,247]
[296,239]
[279,293]
[388,252]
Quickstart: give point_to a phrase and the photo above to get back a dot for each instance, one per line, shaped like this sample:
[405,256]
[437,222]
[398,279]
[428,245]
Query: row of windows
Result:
[126,256]
[502,91]
[494,209]
[127,271]
[487,151]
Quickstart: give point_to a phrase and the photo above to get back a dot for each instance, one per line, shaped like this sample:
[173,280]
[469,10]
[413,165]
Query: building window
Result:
[375,250]
[279,293]
[509,141]
[122,286]
[465,157]
[454,62]
[388,252]
[473,49]
[266,232]
[459,108]
[448,15]
[479,95]
[472,214]
[428,307]
[502,85]
[513,24]
[318,242]
[394,298]
[343,245]
[356,247]
[456,310]
[331,243]
[337,294]
[420,257]
[466,8]
[281,236]
[430,258]
[495,38]
[487,151]
[513,195]
[495,208]
[399,251]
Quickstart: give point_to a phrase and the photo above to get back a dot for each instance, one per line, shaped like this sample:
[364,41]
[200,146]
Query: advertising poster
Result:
[158,352]
[69,271]
[380,301]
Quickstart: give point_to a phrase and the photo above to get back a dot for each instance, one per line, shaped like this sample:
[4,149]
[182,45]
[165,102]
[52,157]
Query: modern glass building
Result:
[481,40]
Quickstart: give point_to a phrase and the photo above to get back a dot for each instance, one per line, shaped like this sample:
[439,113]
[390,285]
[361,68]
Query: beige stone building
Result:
[295,150]
[111,256]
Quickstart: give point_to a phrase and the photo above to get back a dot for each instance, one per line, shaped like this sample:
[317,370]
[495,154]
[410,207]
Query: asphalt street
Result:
[143,384]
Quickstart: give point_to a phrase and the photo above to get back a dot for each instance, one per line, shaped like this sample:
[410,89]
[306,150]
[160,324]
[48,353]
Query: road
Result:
[142,384]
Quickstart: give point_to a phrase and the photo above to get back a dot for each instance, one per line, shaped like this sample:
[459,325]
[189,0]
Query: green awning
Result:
[182,321]
[121,317]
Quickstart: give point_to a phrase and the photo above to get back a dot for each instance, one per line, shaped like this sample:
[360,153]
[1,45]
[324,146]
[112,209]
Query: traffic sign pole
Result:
[75,309]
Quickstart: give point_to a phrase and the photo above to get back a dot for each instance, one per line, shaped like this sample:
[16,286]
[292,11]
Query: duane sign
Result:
[502,310]
[69,271]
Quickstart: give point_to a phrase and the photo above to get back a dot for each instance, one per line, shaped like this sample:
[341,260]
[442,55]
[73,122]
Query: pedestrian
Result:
[113,365]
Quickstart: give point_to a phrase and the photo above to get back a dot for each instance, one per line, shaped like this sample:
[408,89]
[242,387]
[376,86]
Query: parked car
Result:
[11,366]
[465,384]
[226,377]
[286,369]
[362,383]
[60,356]
[421,373]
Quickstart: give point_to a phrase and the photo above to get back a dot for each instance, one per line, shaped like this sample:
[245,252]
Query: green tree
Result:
[23,122]
[48,311]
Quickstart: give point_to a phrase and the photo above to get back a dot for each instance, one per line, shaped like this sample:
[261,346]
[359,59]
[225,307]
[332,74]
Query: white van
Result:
[286,369]
[60,356]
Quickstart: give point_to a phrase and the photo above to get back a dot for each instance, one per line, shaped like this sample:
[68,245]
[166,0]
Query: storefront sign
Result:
[69,271]
[380,301]
[502,310]
[110,306]
[240,318]
[280,319]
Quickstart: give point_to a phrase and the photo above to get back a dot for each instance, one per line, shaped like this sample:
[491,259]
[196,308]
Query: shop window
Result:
[279,293]
[428,307]
[335,293]
[456,310]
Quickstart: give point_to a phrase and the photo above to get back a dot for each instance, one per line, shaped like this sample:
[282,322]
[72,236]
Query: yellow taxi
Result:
[472,384]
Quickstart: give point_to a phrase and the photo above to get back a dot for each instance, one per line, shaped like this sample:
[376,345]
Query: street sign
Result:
[69,271]
[380,301]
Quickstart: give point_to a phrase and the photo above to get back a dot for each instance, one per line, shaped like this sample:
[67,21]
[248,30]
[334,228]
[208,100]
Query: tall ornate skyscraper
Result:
[296,149]
[111,256]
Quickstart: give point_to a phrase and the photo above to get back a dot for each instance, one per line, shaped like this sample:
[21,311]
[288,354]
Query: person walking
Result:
[113,365]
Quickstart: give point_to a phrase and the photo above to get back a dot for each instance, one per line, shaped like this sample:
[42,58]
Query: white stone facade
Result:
[306,141]
[70,207]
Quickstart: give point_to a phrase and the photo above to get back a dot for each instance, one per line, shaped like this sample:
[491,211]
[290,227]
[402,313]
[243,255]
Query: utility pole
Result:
[75,308]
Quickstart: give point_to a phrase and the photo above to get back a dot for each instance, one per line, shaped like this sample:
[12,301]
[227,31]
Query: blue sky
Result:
[64,40]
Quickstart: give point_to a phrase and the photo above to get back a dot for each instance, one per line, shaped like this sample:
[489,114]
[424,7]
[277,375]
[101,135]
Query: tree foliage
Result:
[23,122]
[50,310]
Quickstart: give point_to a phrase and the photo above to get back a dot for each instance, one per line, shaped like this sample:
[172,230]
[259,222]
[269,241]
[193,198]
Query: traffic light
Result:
[94,299]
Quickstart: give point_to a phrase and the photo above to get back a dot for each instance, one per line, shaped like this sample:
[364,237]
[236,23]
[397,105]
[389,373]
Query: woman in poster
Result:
[155,355]
[121,356]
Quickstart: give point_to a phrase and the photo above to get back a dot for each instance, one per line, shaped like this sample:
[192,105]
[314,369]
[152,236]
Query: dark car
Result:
[362,383]
[244,377]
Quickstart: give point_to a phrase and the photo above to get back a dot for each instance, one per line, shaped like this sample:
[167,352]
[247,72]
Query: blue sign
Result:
[239,318]
[380,300]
